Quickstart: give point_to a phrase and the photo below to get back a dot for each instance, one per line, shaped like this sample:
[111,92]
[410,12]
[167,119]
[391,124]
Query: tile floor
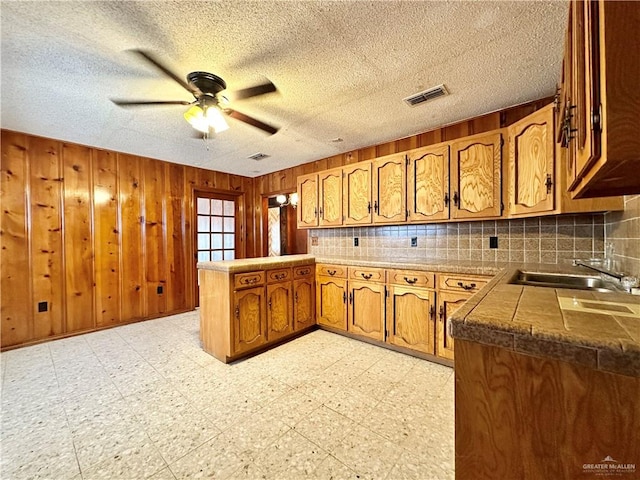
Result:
[144,401]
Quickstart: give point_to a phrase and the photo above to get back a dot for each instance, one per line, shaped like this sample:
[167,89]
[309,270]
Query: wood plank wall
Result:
[92,234]
[285,180]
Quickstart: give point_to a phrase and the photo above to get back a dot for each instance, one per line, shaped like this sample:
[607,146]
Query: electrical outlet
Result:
[414,241]
[314,241]
[493,242]
[160,289]
[356,241]
[43,306]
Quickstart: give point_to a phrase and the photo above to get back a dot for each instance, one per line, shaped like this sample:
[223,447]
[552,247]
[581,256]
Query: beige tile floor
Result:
[144,401]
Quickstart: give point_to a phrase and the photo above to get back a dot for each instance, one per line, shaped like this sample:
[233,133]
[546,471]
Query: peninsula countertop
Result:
[598,330]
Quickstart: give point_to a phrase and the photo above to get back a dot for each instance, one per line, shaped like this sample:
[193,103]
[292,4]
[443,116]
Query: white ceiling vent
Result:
[258,156]
[427,95]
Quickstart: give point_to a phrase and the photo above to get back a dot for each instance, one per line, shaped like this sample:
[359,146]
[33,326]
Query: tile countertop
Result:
[577,326]
[431,265]
[251,264]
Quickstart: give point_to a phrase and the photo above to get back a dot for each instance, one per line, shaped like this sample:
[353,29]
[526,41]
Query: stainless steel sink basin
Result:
[562,280]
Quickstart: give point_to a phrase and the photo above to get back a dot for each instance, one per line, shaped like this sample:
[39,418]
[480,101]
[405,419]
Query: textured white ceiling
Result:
[341,69]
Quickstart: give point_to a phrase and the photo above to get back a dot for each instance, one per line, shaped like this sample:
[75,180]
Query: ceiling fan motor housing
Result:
[206,82]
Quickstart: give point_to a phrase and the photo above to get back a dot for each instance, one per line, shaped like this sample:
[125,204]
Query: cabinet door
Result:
[448,303]
[307,201]
[366,309]
[390,189]
[428,183]
[279,311]
[356,180]
[476,178]
[330,196]
[531,164]
[331,297]
[249,323]
[303,303]
[410,318]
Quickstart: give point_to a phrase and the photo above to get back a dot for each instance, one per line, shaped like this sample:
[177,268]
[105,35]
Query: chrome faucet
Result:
[586,263]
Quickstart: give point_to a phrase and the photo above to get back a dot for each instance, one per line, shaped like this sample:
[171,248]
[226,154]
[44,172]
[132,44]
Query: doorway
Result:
[280,232]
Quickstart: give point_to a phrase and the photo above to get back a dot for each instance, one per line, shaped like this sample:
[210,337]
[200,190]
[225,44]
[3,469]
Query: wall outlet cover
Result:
[356,241]
[160,290]
[314,241]
[414,241]
[493,242]
[43,306]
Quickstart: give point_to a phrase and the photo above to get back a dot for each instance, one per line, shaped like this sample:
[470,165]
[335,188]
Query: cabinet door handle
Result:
[366,276]
[375,206]
[269,304]
[369,207]
[441,313]
[410,281]
[321,213]
[315,212]
[351,298]
[237,311]
[296,297]
[331,272]
[432,311]
[344,297]
[456,199]
[548,183]
[471,286]
[446,199]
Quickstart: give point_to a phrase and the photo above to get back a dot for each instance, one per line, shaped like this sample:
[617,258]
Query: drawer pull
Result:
[249,281]
[331,272]
[410,281]
[304,272]
[280,276]
[366,276]
[471,286]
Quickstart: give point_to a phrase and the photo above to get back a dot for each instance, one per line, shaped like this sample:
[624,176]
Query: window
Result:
[215,228]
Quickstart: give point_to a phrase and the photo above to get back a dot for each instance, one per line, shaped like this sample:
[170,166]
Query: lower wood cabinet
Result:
[331,297]
[410,318]
[366,309]
[249,327]
[304,312]
[279,310]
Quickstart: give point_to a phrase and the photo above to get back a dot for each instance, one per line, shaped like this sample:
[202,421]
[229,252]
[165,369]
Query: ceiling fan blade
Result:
[251,121]
[252,91]
[145,103]
[149,57]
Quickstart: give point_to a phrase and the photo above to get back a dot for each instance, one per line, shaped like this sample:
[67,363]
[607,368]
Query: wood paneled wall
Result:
[285,180]
[92,234]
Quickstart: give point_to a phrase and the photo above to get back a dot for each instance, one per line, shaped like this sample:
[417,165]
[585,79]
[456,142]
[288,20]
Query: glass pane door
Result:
[215,228]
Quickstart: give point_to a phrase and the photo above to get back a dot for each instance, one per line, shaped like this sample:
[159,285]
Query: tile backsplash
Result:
[622,229]
[552,239]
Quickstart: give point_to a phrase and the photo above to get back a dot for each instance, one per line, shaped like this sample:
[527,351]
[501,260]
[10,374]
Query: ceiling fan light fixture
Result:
[216,120]
[196,118]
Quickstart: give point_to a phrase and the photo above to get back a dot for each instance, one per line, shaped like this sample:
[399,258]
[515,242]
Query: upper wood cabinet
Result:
[356,185]
[330,197]
[531,163]
[390,189]
[428,183]
[476,179]
[537,179]
[307,186]
[600,113]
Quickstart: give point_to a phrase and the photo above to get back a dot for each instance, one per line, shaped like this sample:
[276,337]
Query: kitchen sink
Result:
[563,280]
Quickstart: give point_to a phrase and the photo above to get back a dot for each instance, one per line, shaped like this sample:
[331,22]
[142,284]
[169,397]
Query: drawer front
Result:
[367,274]
[335,271]
[249,279]
[413,278]
[462,283]
[304,271]
[279,275]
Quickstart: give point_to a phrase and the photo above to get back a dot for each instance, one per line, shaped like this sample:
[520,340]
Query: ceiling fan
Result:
[208,106]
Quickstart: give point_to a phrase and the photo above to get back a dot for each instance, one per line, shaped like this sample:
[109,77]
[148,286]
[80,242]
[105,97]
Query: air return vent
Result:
[258,156]
[427,95]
